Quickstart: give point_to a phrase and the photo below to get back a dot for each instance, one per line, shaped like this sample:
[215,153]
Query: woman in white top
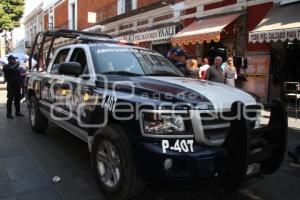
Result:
[230,72]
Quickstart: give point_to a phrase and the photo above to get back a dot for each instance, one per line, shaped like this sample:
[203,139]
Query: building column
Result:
[240,39]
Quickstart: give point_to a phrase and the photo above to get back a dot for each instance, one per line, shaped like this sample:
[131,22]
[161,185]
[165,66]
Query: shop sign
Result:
[157,34]
[161,41]
[282,35]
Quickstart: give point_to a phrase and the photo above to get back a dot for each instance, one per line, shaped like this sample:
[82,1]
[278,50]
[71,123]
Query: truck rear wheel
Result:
[114,166]
[38,121]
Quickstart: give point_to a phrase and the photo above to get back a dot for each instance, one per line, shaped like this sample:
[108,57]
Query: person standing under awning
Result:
[204,68]
[215,73]
[230,73]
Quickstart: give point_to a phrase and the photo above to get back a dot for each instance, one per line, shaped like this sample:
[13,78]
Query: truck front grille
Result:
[215,126]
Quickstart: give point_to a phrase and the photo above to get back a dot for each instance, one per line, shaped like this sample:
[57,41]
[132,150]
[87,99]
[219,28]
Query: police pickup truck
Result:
[143,121]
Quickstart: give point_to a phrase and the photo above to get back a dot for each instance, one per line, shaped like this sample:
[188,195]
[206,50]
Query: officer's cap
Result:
[11,57]
[180,52]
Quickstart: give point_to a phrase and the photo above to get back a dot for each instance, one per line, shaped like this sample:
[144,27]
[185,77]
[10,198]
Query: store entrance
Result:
[213,49]
[293,61]
[285,67]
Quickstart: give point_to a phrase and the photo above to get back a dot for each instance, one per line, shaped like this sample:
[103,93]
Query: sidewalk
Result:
[28,162]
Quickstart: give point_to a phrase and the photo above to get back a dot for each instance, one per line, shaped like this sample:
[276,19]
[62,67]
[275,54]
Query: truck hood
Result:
[220,95]
[204,94]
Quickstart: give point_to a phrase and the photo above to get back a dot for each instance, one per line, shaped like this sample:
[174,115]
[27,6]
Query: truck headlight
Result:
[160,123]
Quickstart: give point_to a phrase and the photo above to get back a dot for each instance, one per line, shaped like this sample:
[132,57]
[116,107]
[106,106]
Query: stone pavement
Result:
[29,161]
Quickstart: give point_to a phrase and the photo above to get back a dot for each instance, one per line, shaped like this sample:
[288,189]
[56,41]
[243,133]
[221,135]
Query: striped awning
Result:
[280,24]
[203,30]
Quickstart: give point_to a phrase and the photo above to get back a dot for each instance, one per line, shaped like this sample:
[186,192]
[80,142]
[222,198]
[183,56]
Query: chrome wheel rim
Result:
[32,114]
[108,164]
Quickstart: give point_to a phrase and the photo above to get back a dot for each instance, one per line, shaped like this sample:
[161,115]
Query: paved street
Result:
[29,161]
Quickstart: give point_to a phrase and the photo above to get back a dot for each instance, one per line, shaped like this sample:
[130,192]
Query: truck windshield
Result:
[131,61]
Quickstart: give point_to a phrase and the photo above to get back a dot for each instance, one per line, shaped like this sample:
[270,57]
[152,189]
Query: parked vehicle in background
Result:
[143,121]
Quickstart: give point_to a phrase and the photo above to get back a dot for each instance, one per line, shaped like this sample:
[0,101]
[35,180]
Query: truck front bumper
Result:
[245,153]
[203,163]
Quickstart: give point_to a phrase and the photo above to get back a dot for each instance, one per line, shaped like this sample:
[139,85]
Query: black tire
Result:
[39,122]
[130,184]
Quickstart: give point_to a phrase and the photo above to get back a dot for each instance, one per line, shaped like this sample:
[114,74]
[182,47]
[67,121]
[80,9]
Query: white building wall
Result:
[33,23]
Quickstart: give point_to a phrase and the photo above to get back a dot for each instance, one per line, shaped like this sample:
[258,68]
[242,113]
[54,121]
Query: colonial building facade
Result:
[33,23]
[151,23]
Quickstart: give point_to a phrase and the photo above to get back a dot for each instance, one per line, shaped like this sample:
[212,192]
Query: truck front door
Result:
[51,81]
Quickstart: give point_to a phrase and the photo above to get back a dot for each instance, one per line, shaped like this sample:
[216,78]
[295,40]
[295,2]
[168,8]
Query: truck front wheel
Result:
[114,166]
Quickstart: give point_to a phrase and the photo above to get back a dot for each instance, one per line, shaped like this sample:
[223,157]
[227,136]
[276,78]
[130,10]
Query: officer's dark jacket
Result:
[12,73]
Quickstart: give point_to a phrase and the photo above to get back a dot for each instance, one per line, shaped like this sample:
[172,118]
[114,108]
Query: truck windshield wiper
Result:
[122,73]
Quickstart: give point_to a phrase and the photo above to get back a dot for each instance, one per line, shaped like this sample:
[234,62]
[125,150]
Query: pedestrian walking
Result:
[215,73]
[13,79]
[230,73]
[204,68]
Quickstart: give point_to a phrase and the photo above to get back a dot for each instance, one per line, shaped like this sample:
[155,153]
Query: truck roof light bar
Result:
[54,34]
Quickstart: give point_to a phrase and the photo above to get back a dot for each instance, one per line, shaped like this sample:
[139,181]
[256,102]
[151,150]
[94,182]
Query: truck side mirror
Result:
[70,68]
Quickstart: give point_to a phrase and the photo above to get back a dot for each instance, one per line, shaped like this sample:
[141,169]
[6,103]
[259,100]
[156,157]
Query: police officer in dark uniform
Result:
[13,78]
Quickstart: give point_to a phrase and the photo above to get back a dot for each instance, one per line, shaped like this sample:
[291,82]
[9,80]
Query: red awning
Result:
[281,23]
[203,30]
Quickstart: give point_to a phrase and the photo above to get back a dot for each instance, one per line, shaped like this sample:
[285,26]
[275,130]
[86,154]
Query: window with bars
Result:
[126,26]
[142,22]
[51,22]
[110,30]
[73,15]
[128,5]
[188,11]
[164,17]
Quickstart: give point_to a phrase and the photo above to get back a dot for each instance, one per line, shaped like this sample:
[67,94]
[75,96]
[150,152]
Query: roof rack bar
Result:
[74,34]
[32,49]
[40,50]
[64,33]
[49,52]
